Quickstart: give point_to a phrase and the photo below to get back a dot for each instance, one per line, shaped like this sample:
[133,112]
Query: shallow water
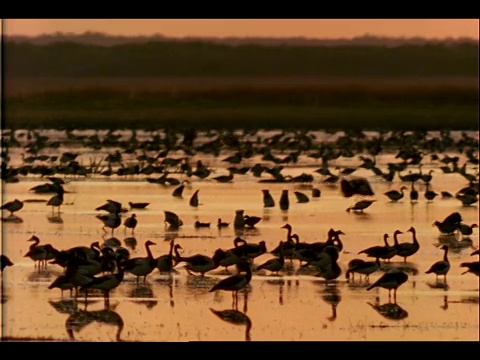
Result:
[292,306]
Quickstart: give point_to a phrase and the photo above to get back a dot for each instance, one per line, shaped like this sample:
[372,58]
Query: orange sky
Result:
[313,28]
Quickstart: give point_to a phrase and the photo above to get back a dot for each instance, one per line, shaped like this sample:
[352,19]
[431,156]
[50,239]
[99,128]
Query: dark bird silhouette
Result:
[236,282]
[131,223]
[4,262]
[391,280]
[268,200]
[284,201]
[194,199]
[440,267]
[12,206]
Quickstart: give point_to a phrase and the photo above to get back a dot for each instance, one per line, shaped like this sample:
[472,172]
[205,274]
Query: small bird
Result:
[12,206]
[268,200]
[441,267]
[131,222]
[301,197]
[391,280]
[199,224]
[221,224]
[4,262]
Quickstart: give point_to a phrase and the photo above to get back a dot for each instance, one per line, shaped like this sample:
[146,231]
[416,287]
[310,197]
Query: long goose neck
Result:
[339,242]
[36,241]
[177,254]
[445,257]
[289,233]
[385,237]
[395,238]
[414,234]
[149,253]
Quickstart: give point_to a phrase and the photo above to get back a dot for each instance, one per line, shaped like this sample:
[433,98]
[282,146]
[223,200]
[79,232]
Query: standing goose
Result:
[105,283]
[141,266]
[165,262]
[226,258]
[110,220]
[466,230]
[395,195]
[413,193]
[268,200]
[178,192]
[40,254]
[391,280]
[328,268]
[429,194]
[235,282]
[440,267]
[56,200]
[362,267]
[406,249]
[385,252]
[288,246]
[131,223]
[251,250]
[197,263]
[276,264]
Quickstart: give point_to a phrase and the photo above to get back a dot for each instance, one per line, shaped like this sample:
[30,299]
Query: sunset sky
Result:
[310,28]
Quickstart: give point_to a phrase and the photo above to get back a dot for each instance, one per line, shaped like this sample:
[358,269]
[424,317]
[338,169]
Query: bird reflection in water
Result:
[12,219]
[171,282]
[445,303]
[408,268]
[236,317]
[143,294]
[79,319]
[331,295]
[42,275]
[454,245]
[280,283]
[55,219]
[130,242]
[391,311]
[111,242]
[438,285]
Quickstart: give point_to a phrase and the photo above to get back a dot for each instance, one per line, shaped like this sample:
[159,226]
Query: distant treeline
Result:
[199,58]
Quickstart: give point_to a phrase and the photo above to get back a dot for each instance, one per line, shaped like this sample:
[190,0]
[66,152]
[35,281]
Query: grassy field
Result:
[242,102]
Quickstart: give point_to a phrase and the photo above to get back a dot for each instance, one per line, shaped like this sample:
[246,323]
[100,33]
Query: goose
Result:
[141,266]
[222,224]
[327,266]
[284,201]
[199,224]
[391,280]
[40,254]
[472,267]
[138,205]
[239,220]
[112,207]
[226,258]
[395,195]
[72,279]
[466,230]
[440,267]
[236,282]
[301,197]
[268,200]
[307,252]
[12,206]
[413,193]
[251,221]
[406,249]
[178,192]
[4,262]
[362,267]
[110,220]
[197,263]
[165,262]
[105,283]
[288,246]
[316,193]
[429,194]
[360,205]
[194,199]
[56,200]
[450,224]
[251,250]
[385,252]
[274,265]
[131,223]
